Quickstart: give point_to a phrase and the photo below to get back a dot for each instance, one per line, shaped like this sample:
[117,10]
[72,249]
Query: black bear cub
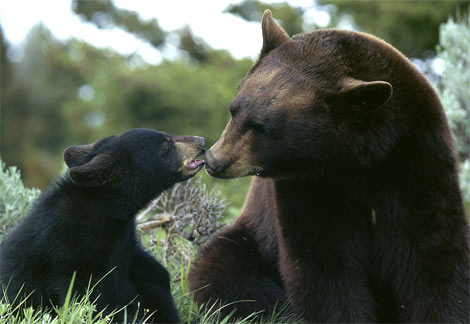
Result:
[85,224]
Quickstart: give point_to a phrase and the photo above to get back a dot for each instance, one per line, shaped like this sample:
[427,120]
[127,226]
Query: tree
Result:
[30,104]
[68,92]
[411,26]
[289,17]
[104,14]
[454,90]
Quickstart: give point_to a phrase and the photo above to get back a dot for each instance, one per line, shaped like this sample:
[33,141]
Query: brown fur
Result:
[357,214]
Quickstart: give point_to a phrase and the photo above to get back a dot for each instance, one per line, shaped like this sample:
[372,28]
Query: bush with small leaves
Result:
[454,90]
[190,209]
[15,199]
[189,214]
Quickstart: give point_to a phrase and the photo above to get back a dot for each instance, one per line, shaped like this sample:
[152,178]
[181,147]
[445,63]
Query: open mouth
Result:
[194,164]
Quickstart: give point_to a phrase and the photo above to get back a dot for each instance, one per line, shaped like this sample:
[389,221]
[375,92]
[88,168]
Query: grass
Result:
[167,243]
[179,264]
[82,310]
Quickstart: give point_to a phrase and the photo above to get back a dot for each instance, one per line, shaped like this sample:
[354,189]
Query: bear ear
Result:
[95,173]
[273,34]
[363,96]
[75,153]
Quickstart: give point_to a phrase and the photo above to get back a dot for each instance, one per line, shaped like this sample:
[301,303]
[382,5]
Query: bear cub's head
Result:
[138,164]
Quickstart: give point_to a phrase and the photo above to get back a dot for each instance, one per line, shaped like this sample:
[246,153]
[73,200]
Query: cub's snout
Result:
[189,148]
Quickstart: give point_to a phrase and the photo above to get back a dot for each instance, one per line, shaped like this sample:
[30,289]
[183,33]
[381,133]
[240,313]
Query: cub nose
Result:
[201,142]
[192,141]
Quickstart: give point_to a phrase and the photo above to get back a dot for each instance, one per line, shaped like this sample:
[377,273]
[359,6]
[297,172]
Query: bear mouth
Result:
[194,164]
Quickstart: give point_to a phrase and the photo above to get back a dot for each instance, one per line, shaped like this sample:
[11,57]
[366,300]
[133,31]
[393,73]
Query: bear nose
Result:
[201,142]
[212,164]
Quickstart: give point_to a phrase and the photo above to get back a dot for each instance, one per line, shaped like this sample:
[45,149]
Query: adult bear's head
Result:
[314,103]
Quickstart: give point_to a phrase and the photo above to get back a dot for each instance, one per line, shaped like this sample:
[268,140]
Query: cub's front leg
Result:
[152,283]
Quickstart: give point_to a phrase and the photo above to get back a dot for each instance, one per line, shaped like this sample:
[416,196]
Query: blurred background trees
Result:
[69,92]
[411,26]
[454,90]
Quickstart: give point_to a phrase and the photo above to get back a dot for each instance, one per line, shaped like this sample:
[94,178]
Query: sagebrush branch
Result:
[154,223]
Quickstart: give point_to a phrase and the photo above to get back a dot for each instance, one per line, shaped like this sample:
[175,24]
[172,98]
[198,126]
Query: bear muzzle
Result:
[228,168]
[212,164]
[189,148]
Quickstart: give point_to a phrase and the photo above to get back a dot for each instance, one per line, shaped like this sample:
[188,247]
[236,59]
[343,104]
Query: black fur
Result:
[85,223]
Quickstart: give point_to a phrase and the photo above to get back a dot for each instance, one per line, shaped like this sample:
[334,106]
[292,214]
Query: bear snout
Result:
[212,164]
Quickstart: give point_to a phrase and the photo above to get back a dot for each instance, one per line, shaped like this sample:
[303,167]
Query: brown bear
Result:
[355,213]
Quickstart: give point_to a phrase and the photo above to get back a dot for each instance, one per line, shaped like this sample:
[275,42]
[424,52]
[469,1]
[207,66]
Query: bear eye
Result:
[257,125]
[234,109]
[166,143]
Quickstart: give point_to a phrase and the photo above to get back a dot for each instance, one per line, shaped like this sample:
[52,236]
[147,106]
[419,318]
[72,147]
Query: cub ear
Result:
[363,96]
[94,173]
[75,153]
[273,34]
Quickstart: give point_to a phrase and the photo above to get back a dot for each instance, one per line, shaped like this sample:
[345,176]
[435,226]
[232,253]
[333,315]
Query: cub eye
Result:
[166,144]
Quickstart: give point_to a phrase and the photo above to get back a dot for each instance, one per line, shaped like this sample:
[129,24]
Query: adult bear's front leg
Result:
[328,289]
[231,272]
[325,254]
[240,264]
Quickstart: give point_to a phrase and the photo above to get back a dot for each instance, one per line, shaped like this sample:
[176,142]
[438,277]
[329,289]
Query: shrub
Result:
[189,215]
[172,226]
[15,199]
[454,90]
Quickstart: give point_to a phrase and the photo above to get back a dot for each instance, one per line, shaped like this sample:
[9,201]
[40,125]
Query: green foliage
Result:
[76,310]
[454,90]
[416,34]
[79,312]
[82,311]
[66,93]
[289,17]
[33,128]
[104,14]
[63,93]
[15,199]
[411,26]
[234,190]
[194,212]
[194,46]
